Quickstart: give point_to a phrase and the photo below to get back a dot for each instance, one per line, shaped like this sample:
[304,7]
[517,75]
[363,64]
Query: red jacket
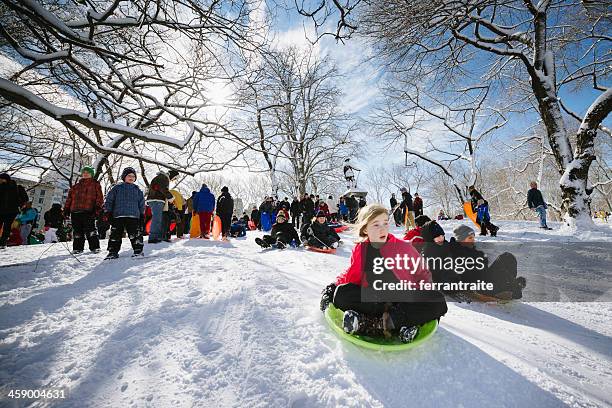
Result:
[414,235]
[85,196]
[393,247]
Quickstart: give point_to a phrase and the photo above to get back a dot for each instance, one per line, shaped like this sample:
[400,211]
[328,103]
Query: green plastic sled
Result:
[334,318]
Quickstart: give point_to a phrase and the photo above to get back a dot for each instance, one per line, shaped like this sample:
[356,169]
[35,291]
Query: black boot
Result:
[262,243]
[357,323]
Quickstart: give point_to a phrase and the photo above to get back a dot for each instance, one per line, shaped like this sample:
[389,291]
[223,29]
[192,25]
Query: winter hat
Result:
[126,171]
[224,189]
[421,220]
[88,169]
[462,232]
[5,176]
[320,214]
[172,174]
[431,230]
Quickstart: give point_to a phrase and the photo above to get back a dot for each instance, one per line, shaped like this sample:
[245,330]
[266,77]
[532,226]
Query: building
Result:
[42,195]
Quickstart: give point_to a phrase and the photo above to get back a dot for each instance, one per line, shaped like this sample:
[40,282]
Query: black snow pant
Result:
[6,220]
[226,223]
[433,306]
[84,227]
[502,274]
[133,226]
[307,217]
[166,218]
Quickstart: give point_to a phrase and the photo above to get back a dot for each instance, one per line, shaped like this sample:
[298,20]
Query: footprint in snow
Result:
[208,347]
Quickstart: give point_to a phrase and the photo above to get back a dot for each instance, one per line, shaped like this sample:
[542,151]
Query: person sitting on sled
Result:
[281,235]
[237,228]
[378,318]
[501,273]
[414,235]
[319,234]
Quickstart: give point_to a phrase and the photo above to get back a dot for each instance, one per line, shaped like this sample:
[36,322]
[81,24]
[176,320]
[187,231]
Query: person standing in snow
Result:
[397,213]
[179,212]
[84,205]
[484,210]
[255,217]
[225,209]
[332,206]
[204,206]
[536,202]
[417,204]
[124,207]
[343,210]
[169,213]
[308,209]
[296,212]
[157,200]
[12,198]
[381,318]
[407,209]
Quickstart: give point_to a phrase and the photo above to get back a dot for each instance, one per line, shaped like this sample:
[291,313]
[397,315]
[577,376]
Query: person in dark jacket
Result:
[12,198]
[204,206]
[255,217]
[307,206]
[483,208]
[536,202]
[397,214]
[353,207]
[124,207]
[54,217]
[296,212]
[282,234]
[319,234]
[84,205]
[238,228]
[225,209]
[407,209]
[157,200]
[362,202]
[502,273]
[417,204]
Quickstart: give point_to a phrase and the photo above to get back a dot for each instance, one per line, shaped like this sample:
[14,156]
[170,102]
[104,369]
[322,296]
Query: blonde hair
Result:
[365,216]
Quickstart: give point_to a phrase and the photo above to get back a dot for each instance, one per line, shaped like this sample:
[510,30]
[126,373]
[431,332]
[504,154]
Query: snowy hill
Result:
[200,323]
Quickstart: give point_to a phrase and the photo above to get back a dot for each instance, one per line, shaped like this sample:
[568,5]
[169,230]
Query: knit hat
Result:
[320,214]
[126,171]
[462,232]
[88,169]
[431,230]
[172,174]
[224,189]
[421,220]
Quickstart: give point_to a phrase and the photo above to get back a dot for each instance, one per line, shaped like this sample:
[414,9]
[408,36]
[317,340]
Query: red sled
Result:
[252,226]
[323,250]
[341,228]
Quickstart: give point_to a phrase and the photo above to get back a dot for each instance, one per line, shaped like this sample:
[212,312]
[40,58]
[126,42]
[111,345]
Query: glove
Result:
[327,296]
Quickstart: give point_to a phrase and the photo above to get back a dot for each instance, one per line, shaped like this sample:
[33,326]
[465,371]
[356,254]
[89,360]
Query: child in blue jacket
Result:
[124,207]
[483,218]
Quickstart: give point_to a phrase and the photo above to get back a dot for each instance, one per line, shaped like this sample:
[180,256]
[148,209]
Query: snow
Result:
[202,323]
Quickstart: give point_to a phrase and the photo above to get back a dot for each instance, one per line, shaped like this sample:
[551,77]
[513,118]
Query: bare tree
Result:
[128,78]
[535,48]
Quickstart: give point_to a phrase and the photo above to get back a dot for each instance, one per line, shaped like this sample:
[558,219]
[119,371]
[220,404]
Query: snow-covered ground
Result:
[205,324]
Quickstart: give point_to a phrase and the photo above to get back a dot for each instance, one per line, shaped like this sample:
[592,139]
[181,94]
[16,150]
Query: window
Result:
[41,200]
[42,192]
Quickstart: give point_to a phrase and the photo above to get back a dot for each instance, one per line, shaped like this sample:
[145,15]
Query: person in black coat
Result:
[308,209]
[536,202]
[353,207]
[295,211]
[319,234]
[225,209]
[12,198]
[282,234]
[54,217]
[397,213]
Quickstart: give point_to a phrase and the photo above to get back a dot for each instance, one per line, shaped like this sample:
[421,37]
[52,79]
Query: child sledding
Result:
[282,234]
[317,235]
[502,273]
[371,314]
